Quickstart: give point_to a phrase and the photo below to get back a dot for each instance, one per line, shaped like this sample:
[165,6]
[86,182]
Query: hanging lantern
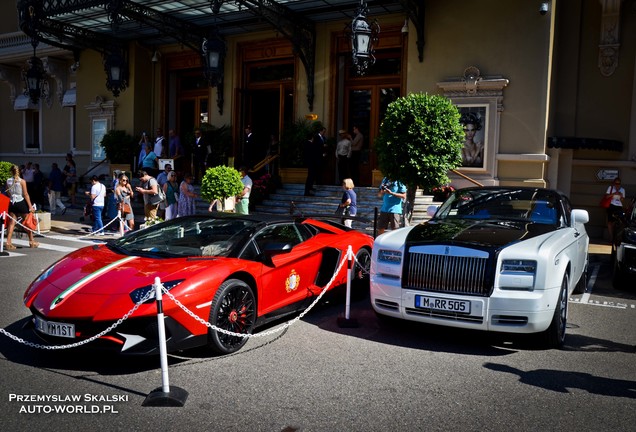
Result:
[33,78]
[363,36]
[213,51]
[116,69]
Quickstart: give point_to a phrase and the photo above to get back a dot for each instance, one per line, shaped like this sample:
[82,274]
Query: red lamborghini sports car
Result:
[235,272]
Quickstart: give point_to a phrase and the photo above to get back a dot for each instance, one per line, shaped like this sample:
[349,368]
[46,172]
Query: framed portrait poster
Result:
[475,120]
[98,130]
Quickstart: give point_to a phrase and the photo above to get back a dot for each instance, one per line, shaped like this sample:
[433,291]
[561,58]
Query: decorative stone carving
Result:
[12,77]
[472,84]
[609,45]
[58,70]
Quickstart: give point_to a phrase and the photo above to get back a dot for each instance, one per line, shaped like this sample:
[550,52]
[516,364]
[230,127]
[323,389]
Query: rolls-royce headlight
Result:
[389,256]
[140,293]
[517,274]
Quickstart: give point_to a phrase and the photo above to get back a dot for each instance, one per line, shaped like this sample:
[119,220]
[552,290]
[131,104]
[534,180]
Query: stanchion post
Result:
[4,225]
[164,396]
[347,321]
[121,223]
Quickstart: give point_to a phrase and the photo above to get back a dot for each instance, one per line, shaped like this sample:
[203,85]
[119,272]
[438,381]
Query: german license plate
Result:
[448,305]
[57,329]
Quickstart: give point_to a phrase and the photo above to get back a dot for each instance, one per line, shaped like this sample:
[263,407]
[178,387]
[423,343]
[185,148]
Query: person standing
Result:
[348,203]
[314,151]
[56,184]
[97,195]
[357,144]
[171,190]
[393,193]
[249,149]
[159,146]
[343,154]
[28,174]
[175,150]
[186,205]
[144,141]
[162,178]
[617,192]
[149,164]
[124,194]
[200,155]
[243,199]
[70,174]
[20,205]
[148,188]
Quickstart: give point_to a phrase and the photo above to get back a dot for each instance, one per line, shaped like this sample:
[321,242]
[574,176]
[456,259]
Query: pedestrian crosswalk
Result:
[55,242]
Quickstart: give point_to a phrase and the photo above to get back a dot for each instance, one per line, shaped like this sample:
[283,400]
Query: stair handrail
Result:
[266,161]
[464,176]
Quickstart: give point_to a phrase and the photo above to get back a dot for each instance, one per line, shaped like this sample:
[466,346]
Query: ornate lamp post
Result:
[363,36]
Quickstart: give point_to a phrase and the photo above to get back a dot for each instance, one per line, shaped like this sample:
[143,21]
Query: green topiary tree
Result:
[420,140]
[120,147]
[5,172]
[220,182]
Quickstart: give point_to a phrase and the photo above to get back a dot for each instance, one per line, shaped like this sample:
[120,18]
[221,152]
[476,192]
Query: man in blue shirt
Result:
[393,194]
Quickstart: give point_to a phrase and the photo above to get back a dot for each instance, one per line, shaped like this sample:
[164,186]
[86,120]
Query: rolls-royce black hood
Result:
[484,233]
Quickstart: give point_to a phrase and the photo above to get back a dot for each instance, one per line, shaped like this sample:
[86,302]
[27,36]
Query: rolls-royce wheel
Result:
[554,336]
[233,309]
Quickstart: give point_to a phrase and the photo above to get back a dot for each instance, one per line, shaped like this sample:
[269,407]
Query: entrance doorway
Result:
[267,111]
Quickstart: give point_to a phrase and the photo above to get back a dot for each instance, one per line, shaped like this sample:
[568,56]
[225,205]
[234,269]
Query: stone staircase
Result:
[290,197]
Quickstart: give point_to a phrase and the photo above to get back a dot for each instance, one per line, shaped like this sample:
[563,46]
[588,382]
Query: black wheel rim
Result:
[563,311]
[362,266]
[236,314]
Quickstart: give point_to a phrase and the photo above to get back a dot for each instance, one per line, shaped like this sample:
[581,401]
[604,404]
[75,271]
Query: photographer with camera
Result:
[393,193]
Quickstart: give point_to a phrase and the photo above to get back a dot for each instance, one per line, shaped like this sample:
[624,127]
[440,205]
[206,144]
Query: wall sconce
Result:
[405,27]
[213,51]
[363,36]
[116,68]
[543,8]
[155,57]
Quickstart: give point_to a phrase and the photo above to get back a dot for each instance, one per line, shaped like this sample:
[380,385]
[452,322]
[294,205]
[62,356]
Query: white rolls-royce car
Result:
[501,259]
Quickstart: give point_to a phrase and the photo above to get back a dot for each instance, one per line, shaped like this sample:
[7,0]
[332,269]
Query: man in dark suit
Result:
[200,150]
[315,150]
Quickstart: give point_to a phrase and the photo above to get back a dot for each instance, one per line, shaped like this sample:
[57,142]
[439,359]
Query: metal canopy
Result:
[107,25]
[234,16]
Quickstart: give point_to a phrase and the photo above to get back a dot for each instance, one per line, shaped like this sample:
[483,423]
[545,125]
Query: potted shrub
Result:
[221,183]
[120,148]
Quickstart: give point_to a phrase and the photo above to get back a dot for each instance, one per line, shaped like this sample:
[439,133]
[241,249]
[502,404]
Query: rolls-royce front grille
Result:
[447,273]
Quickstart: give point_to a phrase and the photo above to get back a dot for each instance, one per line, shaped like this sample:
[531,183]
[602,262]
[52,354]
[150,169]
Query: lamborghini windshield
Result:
[188,236]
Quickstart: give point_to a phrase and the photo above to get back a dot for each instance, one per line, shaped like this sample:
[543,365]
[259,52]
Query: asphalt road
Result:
[317,376]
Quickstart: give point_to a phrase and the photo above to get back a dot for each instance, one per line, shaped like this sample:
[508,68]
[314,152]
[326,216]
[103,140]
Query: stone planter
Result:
[44,219]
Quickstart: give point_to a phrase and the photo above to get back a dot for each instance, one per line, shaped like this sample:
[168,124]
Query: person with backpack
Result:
[151,192]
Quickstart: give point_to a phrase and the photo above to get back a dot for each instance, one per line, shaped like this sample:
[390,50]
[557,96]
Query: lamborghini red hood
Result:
[93,278]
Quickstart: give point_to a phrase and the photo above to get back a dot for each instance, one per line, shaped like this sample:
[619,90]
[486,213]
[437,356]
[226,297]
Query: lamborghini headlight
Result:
[149,290]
